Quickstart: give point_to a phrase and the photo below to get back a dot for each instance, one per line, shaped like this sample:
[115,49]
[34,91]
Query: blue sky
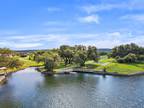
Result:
[42,24]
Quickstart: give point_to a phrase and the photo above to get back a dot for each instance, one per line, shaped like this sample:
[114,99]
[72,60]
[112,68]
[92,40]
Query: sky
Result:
[44,24]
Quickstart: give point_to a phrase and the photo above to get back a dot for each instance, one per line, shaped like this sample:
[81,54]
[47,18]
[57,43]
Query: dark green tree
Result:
[49,64]
[80,58]
[66,53]
[92,53]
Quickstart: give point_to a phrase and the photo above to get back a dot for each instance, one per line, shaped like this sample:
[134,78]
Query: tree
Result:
[130,58]
[80,58]
[92,53]
[128,53]
[4,61]
[31,56]
[80,48]
[6,52]
[103,53]
[15,63]
[140,57]
[66,53]
[49,64]
[124,50]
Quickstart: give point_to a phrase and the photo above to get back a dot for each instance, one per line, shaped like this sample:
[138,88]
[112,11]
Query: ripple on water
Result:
[30,89]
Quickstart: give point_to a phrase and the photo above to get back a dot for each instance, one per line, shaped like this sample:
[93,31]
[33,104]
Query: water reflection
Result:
[30,89]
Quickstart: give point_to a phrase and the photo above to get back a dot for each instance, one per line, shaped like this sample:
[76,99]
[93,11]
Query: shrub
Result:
[80,58]
[103,53]
[130,58]
[15,63]
[140,57]
[49,64]
[4,61]
[120,60]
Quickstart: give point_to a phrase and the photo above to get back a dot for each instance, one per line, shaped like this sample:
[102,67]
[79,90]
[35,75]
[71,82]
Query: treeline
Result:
[67,55]
[77,54]
[128,53]
[8,58]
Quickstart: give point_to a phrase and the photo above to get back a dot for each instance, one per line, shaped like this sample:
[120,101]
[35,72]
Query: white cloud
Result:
[19,45]
[27,45]
[102,7]
[37,38]
[101,40]
[102,43]
[130,5]
[134,17]
[33,41]
[89,19]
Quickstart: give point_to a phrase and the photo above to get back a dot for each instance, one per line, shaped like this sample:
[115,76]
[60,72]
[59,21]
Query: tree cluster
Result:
[50,58]
[10,62]
[128,53]
[78,54]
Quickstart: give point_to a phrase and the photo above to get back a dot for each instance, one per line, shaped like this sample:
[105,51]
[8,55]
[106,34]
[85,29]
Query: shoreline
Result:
[4,75]
[3,79]
[91,71]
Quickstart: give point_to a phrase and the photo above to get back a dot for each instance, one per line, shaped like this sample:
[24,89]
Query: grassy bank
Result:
[26,63]
[110,65]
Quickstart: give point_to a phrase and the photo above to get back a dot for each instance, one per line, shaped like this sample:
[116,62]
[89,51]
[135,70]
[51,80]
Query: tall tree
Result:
[92,53]
[80,58]
[66,52]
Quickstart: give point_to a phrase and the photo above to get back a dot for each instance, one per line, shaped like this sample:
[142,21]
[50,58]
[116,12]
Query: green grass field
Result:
[108,63]
[112,66]
[26,63]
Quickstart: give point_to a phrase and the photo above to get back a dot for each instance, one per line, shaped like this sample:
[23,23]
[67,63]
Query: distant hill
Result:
[104,50]
[25,51]
[29,51]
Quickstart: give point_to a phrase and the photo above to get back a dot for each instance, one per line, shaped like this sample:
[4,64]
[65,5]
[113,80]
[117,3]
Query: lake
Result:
[30,89]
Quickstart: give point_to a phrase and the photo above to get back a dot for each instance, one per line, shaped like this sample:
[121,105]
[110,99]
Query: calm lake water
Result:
[30,89]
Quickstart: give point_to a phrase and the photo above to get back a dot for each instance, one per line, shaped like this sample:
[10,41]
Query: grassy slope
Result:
[27,63]
[62,66]
[112,66]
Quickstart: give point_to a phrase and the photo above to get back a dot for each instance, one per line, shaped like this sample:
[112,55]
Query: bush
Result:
[130,58]
[103,53]
[140,57]
[15,63]
[4,61]
[120,60]
[80,58]
[49,64]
